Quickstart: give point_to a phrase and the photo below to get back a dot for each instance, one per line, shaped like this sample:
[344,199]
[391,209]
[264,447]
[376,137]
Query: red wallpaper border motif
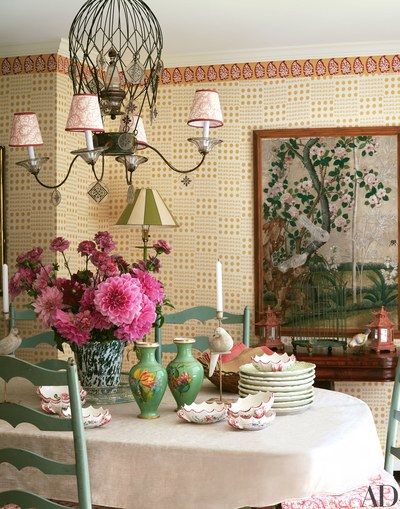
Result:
[308,68]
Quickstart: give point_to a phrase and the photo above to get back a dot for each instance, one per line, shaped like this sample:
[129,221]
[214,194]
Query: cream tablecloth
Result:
[168,464]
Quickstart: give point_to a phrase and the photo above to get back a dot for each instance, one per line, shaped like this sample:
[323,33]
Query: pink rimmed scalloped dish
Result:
[252,423]
[57,394]
[273,362]
[203,413]
[253,405]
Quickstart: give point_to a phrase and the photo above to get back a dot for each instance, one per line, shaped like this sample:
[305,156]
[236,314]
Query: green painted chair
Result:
[15,414]
[45,337]
[392,451]
[201,314]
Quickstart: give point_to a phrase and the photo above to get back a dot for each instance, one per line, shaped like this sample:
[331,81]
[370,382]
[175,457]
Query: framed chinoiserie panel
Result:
[2,211]
[326,227]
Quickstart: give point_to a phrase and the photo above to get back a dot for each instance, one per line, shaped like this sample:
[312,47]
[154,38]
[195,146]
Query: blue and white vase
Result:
[99,366]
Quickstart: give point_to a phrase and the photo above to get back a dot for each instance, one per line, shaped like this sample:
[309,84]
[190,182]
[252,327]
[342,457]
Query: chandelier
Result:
[115,67]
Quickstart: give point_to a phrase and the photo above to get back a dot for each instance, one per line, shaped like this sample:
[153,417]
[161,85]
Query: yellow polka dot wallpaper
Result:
[214,205]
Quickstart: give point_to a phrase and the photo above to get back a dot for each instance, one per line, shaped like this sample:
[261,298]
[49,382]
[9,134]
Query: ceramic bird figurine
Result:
[10,343]
[359,339]
[221,342]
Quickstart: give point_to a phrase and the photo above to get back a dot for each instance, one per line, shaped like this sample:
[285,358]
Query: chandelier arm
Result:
[62,182]
[173,167]
[102,170]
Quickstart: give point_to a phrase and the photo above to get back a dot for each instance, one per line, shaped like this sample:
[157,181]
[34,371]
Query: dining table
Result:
[167,463]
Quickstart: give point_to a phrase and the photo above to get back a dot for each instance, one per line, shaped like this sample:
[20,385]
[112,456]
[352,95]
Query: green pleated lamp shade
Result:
[146,208]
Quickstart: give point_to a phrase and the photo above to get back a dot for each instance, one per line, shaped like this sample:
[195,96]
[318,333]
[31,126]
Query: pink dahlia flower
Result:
[105,264]
[26,276]
[141,325]
[14,286]
[104,241]
[74,328]
[98,258]
[47,304]
[59,245]
[87,304]
[21,280]
[86,247]
[119,299]
[43,278]
[122,264]
[32,256]
[141,265]
[110,268]
[151,286]
[162,246]
[60,282]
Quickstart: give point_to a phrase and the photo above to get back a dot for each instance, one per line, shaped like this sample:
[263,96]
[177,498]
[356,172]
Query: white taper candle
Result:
[6,298]
[220,306]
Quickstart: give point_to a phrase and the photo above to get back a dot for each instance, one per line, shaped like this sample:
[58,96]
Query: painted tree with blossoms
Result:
[300,214]
[108,298]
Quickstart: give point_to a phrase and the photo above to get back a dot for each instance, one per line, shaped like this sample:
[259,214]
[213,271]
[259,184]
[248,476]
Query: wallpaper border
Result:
[309,68]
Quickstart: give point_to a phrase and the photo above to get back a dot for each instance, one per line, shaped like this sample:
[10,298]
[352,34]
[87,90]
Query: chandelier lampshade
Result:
[25,131]
[134,124]
[147,209]
[206,108]
[84,114]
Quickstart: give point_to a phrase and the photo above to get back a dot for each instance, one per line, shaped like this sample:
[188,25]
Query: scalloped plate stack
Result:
[293,388]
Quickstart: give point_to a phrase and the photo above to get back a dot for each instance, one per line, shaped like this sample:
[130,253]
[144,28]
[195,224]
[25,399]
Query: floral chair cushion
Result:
[360,497]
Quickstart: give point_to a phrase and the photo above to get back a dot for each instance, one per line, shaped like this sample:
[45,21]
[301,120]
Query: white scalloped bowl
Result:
[53,408]
[273,362]
[253,405]
[92,417]
[57,393]
[252,423]
[203,413]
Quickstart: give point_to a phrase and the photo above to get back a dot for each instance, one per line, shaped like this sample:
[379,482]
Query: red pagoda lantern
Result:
[270,331]
[382,332]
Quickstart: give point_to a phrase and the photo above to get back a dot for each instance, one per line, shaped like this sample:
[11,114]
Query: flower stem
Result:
[66,264]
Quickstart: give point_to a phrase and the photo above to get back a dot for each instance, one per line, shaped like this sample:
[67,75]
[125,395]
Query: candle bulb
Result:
[206,129]
[31,153]
[219,287]
[6,299]
[89,140]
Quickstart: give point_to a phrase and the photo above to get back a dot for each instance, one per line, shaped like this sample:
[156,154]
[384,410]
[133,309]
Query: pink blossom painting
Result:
[327,217]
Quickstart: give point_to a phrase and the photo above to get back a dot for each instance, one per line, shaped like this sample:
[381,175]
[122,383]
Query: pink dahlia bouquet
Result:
[107,299]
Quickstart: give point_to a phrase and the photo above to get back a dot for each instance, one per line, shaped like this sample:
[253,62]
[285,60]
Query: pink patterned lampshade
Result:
[84,114]
[25,131]
[135,125]
[206,107]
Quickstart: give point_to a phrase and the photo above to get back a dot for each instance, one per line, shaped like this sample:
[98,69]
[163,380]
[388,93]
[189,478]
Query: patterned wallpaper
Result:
[215,210]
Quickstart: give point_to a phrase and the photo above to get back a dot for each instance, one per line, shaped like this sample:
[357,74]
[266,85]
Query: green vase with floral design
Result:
[148,381]
[185,373]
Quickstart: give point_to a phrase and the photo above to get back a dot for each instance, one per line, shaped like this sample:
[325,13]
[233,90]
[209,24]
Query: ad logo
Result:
[387,496]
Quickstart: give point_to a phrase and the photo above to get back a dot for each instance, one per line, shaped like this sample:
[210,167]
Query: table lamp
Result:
[147,208]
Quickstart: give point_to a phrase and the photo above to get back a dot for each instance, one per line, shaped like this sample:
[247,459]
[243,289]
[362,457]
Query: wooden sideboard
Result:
[366,367]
